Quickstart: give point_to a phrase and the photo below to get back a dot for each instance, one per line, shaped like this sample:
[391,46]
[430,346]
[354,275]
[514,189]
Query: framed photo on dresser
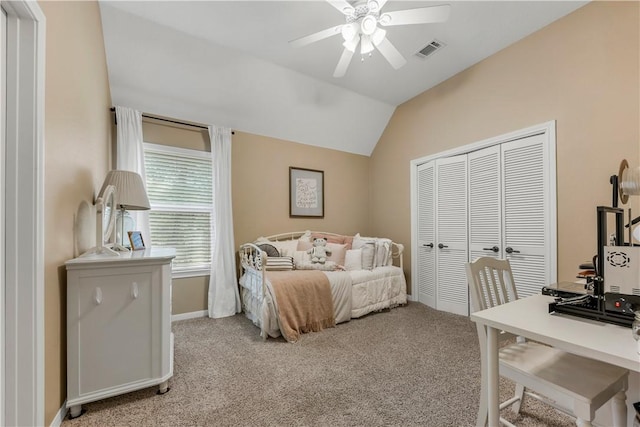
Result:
[135,238]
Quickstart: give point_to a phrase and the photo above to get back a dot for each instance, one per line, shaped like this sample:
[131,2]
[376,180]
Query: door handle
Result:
[510,250]
[440,245]
[430,245]
[494,249]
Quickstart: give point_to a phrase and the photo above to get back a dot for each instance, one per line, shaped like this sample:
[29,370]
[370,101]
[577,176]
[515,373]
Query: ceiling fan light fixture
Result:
[365,45]
[349,31]
[373,6]
[352,44]
[369,25]
[385,19]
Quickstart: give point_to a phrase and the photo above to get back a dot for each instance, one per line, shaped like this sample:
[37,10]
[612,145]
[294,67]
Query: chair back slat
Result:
[490,283]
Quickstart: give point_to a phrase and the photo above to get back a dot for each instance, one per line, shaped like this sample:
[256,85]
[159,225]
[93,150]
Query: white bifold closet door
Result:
[526,215]
[451,234]
[426,252]
[497,201]
[485,203]
[508,209]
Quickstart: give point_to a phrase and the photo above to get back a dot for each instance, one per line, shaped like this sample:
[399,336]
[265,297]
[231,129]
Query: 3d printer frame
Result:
[593,306]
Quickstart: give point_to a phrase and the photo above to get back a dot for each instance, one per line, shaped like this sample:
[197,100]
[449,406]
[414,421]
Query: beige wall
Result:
[582,70]
[260,177]
[77,133]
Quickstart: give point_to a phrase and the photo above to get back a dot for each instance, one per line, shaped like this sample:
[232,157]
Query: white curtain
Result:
[224,299]
[130,157]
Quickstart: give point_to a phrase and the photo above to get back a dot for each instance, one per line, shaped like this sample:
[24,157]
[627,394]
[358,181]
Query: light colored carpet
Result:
[410,366]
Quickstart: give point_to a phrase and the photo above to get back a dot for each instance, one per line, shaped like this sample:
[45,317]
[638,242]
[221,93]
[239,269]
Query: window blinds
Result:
[179,186]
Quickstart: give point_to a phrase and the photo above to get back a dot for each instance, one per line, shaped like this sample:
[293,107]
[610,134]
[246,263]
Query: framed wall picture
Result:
[135,238]
[306,193]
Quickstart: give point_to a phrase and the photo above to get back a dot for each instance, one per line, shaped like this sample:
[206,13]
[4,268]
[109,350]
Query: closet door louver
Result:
[485,204]
[451,234]
[525,242]
[426,252]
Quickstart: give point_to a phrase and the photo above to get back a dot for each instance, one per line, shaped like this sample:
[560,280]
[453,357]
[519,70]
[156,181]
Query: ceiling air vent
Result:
[430,49]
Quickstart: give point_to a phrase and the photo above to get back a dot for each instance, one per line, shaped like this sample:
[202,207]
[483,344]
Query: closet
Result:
[491,198]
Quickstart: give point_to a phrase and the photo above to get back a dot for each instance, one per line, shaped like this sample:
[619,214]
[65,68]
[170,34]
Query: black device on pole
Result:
[593,306]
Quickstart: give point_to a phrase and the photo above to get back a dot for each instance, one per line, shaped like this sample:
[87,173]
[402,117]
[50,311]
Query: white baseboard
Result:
[410,297]
[57,420]
[192,315]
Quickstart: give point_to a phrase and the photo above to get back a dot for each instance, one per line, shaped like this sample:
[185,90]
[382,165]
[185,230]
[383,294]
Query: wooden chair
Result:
[572,384]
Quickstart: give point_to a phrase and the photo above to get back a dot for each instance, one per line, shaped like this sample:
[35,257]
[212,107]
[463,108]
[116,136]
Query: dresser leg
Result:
[75,411]
[163,387]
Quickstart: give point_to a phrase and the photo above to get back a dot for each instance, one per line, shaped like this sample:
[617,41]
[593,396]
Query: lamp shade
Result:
[130,191]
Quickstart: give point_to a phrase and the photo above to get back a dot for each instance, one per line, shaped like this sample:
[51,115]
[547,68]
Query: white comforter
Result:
[355,293]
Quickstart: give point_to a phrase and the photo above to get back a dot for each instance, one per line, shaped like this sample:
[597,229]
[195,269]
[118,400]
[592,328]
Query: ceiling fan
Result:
[361,27]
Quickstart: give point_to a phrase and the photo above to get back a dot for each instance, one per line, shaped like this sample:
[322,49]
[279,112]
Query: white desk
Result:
[530,318]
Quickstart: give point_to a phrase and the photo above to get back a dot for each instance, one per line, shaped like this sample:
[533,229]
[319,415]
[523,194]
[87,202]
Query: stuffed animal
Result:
[319,251]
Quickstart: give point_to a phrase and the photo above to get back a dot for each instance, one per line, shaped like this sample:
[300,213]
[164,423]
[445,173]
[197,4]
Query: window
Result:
[180,192]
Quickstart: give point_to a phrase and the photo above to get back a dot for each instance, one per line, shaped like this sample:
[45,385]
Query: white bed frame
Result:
[253,260]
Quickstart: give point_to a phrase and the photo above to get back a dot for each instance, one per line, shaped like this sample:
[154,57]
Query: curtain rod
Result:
[169,120]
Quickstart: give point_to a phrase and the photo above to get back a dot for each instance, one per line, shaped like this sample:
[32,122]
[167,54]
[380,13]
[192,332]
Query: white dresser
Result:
[118,325]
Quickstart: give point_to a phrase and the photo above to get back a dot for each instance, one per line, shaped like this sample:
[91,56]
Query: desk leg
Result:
[619,409]
[493,377]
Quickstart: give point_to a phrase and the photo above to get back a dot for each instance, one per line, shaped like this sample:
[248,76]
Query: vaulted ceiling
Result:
[230,63]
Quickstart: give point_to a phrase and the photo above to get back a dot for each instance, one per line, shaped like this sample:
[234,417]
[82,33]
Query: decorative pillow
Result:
[269,249]
[286,247]
[353,259]
[304,245]
[368,256]
[301,257]
[359,241]
[327,266]
[368,246]
[348,240]
[279,263]
[337,252]
[306,237]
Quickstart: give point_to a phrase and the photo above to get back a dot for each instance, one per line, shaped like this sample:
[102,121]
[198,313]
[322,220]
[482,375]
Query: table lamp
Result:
[130,195]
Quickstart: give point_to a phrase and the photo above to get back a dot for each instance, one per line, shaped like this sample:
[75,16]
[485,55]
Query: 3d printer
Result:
[615,287]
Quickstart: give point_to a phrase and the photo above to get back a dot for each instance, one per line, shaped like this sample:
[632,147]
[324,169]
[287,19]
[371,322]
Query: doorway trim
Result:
[24,214]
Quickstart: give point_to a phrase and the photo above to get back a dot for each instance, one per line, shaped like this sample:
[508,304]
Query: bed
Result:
[362,275]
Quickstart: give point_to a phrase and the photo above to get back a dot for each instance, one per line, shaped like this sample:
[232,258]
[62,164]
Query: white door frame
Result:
[549,130]
[24,213]
[3,134]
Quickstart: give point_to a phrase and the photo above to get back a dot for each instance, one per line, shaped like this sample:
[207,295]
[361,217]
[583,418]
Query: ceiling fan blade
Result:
[424,15]
[342,5]
[320,35]
[343,64]
[391,54]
